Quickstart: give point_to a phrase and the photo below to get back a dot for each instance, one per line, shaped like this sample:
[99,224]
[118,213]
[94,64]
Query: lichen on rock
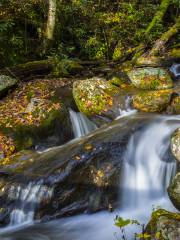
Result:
[93,96]
[150,78]
[175,144]
[174,191]
[163,225]
[152,101]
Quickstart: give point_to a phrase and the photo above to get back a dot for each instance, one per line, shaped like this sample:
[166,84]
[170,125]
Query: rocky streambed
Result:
[125,167]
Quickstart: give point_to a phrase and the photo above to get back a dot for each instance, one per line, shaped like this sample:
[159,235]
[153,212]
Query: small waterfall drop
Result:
[128,110]
[27,198]
[81,124]
[147,172]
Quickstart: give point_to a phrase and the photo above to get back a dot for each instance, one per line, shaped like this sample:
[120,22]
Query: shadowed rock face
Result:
[174,191]
[84,174]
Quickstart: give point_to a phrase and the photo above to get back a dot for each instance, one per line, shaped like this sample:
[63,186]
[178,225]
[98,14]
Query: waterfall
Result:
[175,69]
[128,110]
[145,176]
[27,198]
[81,124]
[147,173]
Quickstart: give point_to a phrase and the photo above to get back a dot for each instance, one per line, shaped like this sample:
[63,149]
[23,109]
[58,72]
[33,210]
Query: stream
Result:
[146,159]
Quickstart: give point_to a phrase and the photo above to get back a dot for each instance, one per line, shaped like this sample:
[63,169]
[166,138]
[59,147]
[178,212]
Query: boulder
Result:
[6,83]
[174,191]
[174,106]
[150,78]
[94,96]
[175,144]
[152,101]
[83,174]
[163,225]
[34,116]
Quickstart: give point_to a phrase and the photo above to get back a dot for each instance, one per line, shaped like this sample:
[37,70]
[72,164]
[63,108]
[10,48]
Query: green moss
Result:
[155,227]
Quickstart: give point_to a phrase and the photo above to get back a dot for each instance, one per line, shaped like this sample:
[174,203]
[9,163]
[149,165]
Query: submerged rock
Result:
[6,83]
[152,101]
[175,144]
[174,191]
[163,225]
[150,78]
[94,96]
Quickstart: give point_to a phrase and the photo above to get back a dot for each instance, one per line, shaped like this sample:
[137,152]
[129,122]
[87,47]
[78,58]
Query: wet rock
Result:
[174,191]
[150,78]
[94,96]
[152,101]
[163,225]
[6,83]
[175,144]
[84,174]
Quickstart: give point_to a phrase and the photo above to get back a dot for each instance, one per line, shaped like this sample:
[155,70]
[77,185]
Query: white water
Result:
[27,198]
[128,110]
[81,124]
[175,69]
[146,175]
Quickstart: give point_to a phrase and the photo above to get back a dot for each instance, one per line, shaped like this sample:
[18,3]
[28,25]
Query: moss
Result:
[152,101]
[93,96]
[66,68]
[162,223]
[150,78]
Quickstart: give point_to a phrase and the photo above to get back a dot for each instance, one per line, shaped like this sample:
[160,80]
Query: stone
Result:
[152,101]
[93,96]
[6,83]
[163,225]
[175,144]
[174,106]
[174,191]
[150,78]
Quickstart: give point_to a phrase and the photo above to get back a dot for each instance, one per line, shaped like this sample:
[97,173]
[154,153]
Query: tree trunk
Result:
[159,45]
[51,20]
[158,16]
[30,70]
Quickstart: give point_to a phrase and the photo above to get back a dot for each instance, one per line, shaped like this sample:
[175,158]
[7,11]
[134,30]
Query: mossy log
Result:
[30,70]
[159,15]
[159,45]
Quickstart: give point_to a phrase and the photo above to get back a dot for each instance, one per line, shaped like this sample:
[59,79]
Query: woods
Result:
[85,29]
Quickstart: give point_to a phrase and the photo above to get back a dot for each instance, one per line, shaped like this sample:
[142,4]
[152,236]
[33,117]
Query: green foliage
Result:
[121,223]
[86,29]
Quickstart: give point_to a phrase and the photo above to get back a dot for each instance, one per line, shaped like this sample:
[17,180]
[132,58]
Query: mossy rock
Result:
[33,115]
[174,107]
[152,101]
[6,83]
[163,225]
[175,144]
[94,96]
[150,78]
[174,191]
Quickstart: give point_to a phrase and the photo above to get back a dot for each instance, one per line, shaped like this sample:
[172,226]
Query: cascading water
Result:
[146,174]
[81,124]
[128,110]
[27,198]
